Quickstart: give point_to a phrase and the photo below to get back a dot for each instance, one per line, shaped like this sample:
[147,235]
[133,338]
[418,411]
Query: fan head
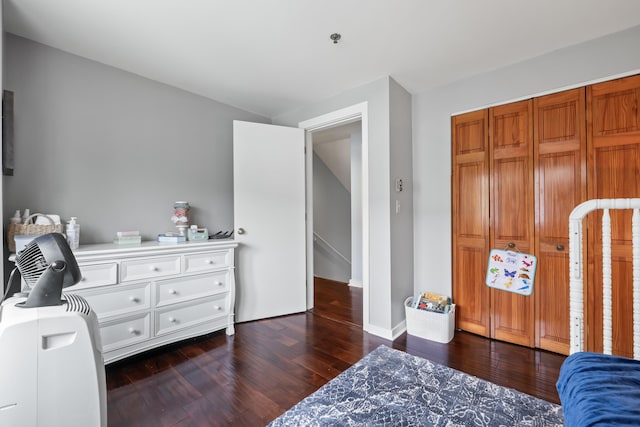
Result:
[41,252]
[47,265]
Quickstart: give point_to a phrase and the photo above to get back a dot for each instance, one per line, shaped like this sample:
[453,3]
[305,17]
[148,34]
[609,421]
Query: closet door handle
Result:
[560,247]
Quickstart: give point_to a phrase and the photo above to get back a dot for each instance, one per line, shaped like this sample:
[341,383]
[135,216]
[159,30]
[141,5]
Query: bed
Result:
[600,389]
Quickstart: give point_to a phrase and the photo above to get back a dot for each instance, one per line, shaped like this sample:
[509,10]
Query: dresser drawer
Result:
[120,300]
[199,311]
[115,335]
[98,275]
[206,261]
[183,289]
[148,268]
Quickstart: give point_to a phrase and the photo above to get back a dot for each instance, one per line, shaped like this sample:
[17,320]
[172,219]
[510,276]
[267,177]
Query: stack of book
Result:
[127,237]
[430,301]
[171,237]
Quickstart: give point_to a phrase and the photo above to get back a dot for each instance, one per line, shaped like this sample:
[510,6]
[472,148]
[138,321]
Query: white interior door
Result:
[269,220]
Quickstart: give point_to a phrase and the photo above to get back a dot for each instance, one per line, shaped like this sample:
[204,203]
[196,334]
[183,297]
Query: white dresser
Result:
[152,294]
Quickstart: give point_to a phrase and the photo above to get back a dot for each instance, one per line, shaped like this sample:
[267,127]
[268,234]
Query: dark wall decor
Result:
[7,132]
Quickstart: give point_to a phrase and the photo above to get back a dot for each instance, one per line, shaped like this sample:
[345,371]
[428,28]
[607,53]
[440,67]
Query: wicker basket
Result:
[29,229]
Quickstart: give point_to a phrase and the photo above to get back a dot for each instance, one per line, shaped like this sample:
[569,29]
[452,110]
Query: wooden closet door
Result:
[560,185]
[470,220]
[613,138]
[512,212]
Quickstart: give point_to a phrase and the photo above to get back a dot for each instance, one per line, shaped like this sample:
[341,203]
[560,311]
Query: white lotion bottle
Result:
[16,218]
[73,233]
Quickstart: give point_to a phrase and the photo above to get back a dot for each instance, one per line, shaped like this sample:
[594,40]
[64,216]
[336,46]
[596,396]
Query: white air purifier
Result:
[51,366]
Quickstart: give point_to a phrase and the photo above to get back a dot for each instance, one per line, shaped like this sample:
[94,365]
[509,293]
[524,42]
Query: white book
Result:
[127,233]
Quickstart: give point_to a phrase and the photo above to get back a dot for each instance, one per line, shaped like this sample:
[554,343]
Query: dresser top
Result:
[151,247]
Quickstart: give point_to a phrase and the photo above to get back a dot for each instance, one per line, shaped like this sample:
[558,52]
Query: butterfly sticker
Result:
[508,273]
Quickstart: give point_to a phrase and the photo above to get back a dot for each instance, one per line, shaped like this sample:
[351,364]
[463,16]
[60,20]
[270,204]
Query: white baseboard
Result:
[355,283]
[388,334]
[381,332]
[399,329]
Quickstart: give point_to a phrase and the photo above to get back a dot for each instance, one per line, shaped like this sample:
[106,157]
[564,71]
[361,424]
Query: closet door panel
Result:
[552,314]
[613,120]
[511,195]
[614,108]
[470,220]
[511,202]
[558,191]
[470,133]
[617,172]
[512,314]
[559,159]
[470,294]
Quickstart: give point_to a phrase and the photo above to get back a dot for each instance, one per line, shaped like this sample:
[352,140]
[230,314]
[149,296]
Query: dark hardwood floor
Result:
[269,365]
[337,301]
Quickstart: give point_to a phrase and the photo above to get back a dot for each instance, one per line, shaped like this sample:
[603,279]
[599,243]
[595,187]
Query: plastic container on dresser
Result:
[153,294]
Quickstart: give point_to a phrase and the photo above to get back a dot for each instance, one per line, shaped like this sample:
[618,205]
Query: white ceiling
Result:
[273,56]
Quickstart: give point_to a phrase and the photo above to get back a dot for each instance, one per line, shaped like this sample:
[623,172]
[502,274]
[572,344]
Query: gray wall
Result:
[402,237]
[113,148]
[381,274]
[376,94]
[332,222]
[575,66]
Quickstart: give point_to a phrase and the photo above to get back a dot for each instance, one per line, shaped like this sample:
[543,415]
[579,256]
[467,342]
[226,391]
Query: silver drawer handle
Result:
[133,299]
[218,283]
[153,268]
[209,261]
[173,292]
[133,331]
[217,307]
[173,320]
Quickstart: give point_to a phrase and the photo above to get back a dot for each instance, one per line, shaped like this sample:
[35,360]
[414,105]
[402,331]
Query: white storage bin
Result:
[433,326]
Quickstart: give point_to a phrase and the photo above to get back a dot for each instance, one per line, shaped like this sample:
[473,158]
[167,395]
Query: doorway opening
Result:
[354,118]
[337,222]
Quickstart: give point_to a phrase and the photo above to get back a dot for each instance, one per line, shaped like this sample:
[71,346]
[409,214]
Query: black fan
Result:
[47,265]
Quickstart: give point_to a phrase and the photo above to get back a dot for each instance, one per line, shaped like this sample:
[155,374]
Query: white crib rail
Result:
[576,300]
